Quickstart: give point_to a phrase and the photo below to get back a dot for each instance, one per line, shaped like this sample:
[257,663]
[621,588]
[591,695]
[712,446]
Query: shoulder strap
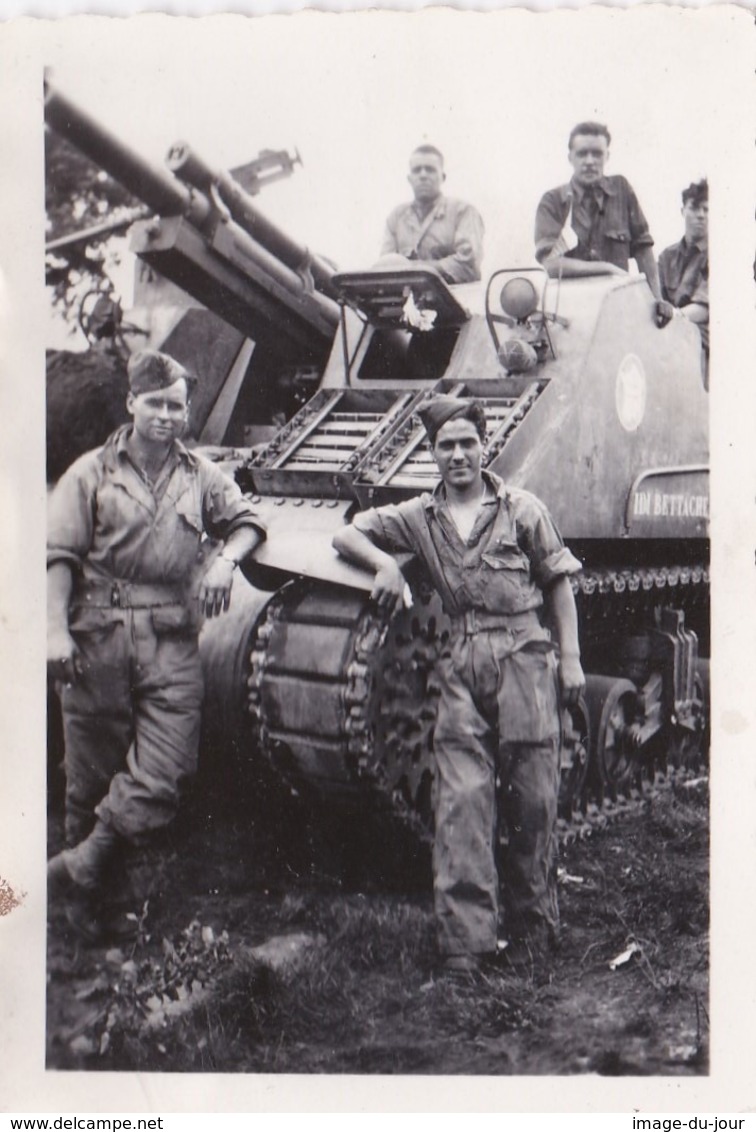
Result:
[423,229]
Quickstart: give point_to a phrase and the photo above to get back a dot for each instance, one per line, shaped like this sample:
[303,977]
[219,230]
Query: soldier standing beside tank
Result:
[594,224]
[495,557]
[126,589]
[684,266]
[434,230]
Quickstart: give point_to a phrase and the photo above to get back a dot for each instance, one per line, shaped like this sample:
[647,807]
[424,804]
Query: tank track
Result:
[647,582]
[584,823]
[343,702]
[366,702]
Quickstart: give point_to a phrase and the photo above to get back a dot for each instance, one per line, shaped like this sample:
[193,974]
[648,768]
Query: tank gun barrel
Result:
[150,183]
[193,170]
[209,239]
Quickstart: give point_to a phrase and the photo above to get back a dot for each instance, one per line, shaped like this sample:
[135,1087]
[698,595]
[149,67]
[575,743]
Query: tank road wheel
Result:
[343,703]
[573,759]
[612,709]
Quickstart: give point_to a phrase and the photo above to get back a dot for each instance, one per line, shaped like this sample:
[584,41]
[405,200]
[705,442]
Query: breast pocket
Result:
[188,506]
[617,246]
[506,556]
[179,531]
[506,576]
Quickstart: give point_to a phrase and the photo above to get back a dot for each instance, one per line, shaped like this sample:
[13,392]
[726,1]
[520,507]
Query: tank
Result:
[313,382]
[590,406]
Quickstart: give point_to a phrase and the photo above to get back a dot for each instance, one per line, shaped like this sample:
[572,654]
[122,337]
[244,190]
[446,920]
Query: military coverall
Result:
[131,721]
[451,236]
[498,708]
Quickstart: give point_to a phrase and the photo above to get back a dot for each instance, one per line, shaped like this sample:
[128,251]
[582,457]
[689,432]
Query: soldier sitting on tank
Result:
[684,266]
[434,231]
[496,559]
[127,586]
[594,224]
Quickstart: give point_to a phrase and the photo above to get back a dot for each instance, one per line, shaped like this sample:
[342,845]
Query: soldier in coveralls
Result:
[434,230]
[127,585]
[496,558]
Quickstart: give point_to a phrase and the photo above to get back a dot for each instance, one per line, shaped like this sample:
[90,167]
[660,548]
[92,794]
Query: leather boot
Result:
[78,876]
[85,865]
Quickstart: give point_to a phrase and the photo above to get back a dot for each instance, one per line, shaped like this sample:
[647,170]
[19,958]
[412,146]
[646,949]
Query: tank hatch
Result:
[320,449]
[403,465]
[401,298]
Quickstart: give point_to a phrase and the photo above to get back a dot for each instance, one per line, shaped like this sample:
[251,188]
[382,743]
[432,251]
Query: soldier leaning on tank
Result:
[127,586]
[684,266]
[594,224]
[496,558]
[434,230]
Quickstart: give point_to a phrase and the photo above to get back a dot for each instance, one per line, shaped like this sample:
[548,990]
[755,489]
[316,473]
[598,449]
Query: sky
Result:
[497,92]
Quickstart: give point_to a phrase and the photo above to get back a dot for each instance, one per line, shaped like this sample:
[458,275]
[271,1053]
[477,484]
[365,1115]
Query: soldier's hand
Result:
[663,313]
[63,657]
[215,588]
[571,680]
[388,587]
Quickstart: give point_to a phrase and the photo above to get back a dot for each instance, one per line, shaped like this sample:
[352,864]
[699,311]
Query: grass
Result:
[363,994]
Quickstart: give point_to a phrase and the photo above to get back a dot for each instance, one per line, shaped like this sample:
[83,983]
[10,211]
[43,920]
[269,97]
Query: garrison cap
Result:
[440,409]
[150,370]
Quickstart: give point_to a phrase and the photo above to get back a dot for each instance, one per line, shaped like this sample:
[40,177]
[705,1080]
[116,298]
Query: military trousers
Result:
[498,716]
[131,721]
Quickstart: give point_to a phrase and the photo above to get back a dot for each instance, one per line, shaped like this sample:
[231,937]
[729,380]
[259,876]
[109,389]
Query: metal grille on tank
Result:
[413,465]
[329,447]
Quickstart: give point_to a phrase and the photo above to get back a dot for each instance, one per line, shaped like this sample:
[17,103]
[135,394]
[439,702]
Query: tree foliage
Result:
[79,195]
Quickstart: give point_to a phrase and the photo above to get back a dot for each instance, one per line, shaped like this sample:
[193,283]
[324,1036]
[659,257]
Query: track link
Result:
[343,701]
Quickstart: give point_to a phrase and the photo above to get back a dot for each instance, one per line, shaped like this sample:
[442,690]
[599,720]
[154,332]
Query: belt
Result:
[116,594]
[474,621]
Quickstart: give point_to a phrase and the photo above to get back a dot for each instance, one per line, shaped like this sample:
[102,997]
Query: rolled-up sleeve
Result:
[224,508]
[549,558]
[387,528]
[559,564]
[70,512]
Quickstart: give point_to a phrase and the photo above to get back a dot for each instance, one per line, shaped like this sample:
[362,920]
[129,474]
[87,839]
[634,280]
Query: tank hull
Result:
[610,430]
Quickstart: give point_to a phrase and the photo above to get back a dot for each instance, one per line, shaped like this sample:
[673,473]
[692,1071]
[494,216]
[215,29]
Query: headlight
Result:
[519,298]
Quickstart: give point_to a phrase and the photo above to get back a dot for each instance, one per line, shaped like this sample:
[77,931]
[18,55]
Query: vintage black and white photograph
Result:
[377,391]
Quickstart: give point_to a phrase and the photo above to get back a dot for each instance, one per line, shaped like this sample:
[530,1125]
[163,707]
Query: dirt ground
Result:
[361,992]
